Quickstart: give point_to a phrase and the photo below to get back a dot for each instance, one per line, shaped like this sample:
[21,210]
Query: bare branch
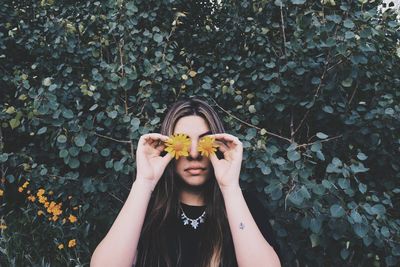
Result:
[283,30]
[114,196]
[113,139]
[249,124]
[320,141]
[302,121]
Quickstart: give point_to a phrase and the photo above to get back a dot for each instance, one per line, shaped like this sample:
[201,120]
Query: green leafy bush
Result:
[310,87]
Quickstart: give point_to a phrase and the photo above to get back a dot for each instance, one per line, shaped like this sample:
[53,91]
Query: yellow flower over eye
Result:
[178,145]
[207,146]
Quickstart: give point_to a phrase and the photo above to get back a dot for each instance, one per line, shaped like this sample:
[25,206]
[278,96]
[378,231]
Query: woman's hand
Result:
[227,169]
[150,165]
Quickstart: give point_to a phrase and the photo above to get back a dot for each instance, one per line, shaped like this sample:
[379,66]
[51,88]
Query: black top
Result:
[190,237]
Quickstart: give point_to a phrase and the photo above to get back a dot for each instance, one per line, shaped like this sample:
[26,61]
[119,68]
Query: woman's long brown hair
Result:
[159,236]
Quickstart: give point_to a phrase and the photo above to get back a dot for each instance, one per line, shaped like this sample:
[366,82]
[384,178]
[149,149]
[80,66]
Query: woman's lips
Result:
[195,171]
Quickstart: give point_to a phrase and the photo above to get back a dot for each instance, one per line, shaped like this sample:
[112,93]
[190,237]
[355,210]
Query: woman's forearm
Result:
[119,246]
[250,246]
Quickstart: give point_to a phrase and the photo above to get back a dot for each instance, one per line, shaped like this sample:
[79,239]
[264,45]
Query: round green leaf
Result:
[80,140]
[74,163]
[337,211]
[293,155]
[321,135]
[105,152]
[61,138]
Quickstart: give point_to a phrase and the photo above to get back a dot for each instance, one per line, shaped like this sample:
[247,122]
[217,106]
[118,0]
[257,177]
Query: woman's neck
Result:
[192,198]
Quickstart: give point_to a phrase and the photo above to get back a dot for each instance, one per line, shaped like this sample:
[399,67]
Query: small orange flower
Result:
[178,145]
[207,146]
[40,212]
[3,226]
[40,192]
[20,189]
[54,208]
[75,208]
[1,193]
[72,243]
[72,218]
[25,185]
[61,246]
[54,218]
[32,198]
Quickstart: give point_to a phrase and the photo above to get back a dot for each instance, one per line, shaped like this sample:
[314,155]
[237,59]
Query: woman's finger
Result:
[222,147]
[214,159]
[166,159]
[227,137]
[151,137]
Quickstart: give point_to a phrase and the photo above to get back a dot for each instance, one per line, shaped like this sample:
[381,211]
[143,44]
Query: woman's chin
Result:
[194,181]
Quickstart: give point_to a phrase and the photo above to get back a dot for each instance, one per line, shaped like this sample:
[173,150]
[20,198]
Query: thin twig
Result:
[353,94]
[320,141]
[291,126]
[132,151]
[283,30]
[3,173]
[114,196]
[248,124]
[121,57]
[302,121]
[322,78]
[113,139]
[334,65]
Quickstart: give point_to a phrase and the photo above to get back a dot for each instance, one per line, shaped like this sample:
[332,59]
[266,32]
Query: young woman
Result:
[188,209]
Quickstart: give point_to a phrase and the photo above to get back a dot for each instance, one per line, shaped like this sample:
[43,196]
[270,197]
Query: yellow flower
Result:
[32,198]
[54,218]
[61,246]
[178,145]
[25,185]
[40,212]
[72,218]
[1,193]
[72,243]
[42,199]
[207,146]
[40,192]
[54,208]
[20,189]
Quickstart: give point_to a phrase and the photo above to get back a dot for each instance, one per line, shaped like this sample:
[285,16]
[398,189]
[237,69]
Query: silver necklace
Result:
[193,222]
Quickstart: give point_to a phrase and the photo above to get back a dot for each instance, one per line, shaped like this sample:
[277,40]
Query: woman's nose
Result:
[193,152]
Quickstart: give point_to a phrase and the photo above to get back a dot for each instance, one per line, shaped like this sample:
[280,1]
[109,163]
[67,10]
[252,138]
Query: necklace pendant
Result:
[193,222]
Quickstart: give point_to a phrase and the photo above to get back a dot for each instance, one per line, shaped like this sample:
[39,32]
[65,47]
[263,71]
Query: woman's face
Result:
[195,169]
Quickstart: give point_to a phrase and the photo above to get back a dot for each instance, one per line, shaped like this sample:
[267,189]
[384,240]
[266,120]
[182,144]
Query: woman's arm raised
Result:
[119,247]
[251,248]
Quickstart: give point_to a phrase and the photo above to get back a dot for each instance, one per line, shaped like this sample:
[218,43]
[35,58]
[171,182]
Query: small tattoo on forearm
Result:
[241,226]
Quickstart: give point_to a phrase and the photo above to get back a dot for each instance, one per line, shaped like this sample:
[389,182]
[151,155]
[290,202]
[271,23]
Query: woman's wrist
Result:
[230,189]
[144,184]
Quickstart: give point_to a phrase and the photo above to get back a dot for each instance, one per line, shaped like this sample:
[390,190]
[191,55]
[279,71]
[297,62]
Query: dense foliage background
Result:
[310,87]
